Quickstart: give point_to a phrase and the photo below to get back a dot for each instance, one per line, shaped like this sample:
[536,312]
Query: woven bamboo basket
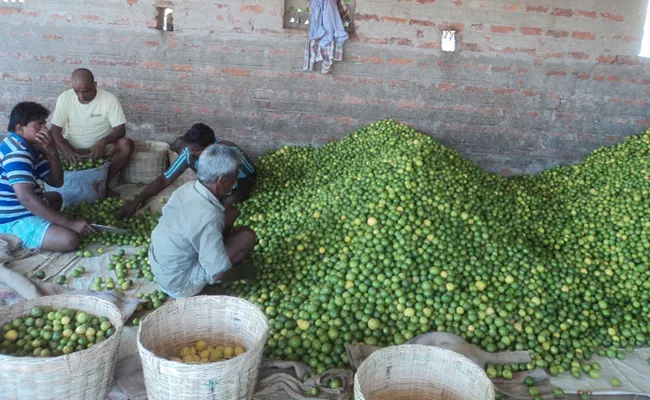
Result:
[86,374]
[148,161]
[187,176]
[219,320]
[416,372]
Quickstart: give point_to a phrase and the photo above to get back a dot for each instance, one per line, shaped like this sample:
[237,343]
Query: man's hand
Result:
[44,143]
[82,228]
[127,210]
[71,156]
[98,150]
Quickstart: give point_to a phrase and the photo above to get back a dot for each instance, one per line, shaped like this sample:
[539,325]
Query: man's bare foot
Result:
[111,193]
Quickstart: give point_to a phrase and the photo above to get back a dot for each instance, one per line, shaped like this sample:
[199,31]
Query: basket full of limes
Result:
[83,181]
[59,347]
[202,347]
[420,372]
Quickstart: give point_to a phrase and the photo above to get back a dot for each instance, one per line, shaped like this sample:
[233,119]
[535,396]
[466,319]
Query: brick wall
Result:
[532,85]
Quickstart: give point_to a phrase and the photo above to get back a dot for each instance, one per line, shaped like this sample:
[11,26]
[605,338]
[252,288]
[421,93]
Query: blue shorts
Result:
[31,230]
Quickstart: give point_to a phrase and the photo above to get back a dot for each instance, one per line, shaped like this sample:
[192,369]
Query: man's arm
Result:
[69,151]
[152,189]
[55,179]
[99,149]
[28,198]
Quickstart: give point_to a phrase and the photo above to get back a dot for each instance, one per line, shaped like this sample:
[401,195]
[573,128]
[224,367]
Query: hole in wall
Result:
[165,19]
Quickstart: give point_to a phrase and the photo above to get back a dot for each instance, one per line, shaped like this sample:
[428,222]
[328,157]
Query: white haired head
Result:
[218,165]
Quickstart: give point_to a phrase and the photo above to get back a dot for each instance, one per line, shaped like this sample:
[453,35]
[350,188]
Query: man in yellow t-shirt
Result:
[90,121]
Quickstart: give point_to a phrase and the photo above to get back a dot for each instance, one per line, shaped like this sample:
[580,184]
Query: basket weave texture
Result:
[422,373]
[219,320]
[148,161]
[86,374]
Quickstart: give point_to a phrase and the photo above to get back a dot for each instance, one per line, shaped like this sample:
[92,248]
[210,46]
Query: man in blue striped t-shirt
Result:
[28,154]
[189,147]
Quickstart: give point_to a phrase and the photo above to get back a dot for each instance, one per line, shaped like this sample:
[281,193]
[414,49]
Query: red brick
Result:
[557,55]
[345,120]
[34,14]
[429,45]
[565,116]
[182,67]
[373,60]
[91,17]
[410,104]
[426,1]
[502,91]
[400,41]
[537,9]
[129,85]
[510,7]
[280,52]
[501,69]
[52,36]
[562,12]
[613,17]
[578,55]
[556,73]
[583,35]
[183,88]
[530,93]
[46,57]
[488,111]
[153,65]
[235,72]
[373,40]
[627,60]
[344,78]
[531,31]
[257,9]
[131,2]
[587,14]
[464,108]
[628,38]
[394,19]
[446,65]
[142,107]
[636,102]
[152,43]
[582,75]
[606,59]
[370,81]
[8,11]
[421,22]
[502,29]
[400,61]
[366,17]
[557,34]
[475,47]
[446,87]
[643,122]
[475,89]
[221,49]
[354,100]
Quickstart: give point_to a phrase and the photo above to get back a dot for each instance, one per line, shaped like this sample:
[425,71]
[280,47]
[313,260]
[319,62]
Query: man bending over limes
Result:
[189,148]
[28,155]
[195,243]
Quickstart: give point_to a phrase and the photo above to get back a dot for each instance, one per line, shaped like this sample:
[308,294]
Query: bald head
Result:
[84,85]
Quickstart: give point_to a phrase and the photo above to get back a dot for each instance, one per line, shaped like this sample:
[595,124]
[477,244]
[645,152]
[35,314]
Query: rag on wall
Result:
[326,36]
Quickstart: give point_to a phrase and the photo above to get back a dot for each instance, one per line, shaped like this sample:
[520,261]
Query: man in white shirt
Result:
[90,121]
[194,243]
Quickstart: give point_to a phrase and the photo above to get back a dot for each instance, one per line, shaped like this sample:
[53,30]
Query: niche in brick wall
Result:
[164,15]
[12,3]
[297,14]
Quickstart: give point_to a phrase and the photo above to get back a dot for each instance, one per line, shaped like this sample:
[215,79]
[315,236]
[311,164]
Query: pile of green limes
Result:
[387,234]
[103,212]
[47,332]
[88,163]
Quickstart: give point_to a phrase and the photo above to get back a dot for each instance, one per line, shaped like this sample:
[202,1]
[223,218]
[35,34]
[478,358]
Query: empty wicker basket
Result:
[411,372]
[86,374]
[148,161]
[217,320]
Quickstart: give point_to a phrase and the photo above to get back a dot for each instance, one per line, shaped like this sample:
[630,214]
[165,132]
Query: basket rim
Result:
[5,358]
[420,348]
[165,362]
